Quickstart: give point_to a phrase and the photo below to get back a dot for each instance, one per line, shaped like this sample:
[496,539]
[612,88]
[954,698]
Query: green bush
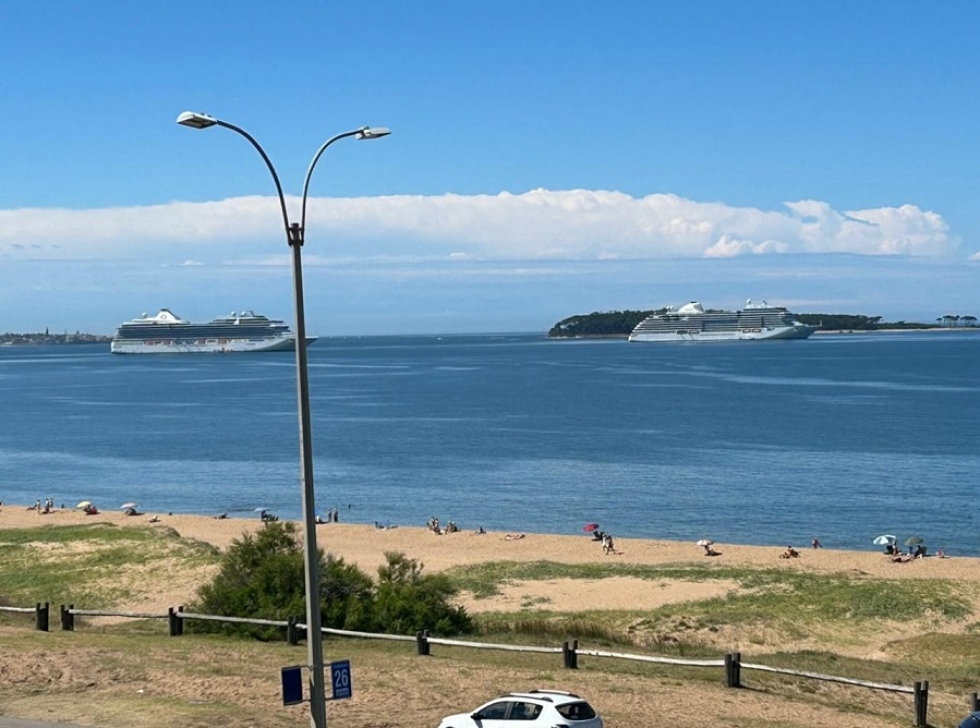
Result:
[262,576]
[408,601]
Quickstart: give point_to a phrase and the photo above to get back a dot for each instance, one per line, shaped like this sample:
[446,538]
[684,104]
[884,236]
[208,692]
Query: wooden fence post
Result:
[921,692]
[733,670]
[291,636]
[180,621]
[974,702]
[422,640]
[173,622]
[67,618]
[570,654]
[41,616]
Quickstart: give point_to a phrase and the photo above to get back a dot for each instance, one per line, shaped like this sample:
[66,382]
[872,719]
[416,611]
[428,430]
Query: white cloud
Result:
[536,225]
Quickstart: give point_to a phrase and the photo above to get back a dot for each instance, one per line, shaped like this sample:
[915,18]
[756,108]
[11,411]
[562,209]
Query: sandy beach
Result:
[366,546]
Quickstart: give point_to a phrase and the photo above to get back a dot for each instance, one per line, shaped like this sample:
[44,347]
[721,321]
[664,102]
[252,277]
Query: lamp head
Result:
[373,132]
[196,120]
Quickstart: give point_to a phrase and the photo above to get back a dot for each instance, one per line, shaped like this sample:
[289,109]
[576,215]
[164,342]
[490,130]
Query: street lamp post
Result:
[294,237]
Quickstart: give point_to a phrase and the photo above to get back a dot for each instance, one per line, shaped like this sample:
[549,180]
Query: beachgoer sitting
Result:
[941,554]
[790,553]
[513,536]
[155,519]
[919,552]
[709,551]
[90,510]
[598,535]
[221,516]
[481,531]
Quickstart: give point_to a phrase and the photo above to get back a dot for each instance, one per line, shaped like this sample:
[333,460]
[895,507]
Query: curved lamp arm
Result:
[365,132]
[203,121]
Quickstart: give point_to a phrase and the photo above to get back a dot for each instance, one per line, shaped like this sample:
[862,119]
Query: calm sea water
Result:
[842,437]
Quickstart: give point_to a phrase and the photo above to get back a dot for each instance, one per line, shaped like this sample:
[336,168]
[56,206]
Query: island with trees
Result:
[619,324]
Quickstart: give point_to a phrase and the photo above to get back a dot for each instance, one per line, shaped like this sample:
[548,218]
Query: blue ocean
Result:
[843,437]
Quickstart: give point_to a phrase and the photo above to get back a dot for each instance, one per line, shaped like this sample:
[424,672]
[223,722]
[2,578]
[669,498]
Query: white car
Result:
[533,709]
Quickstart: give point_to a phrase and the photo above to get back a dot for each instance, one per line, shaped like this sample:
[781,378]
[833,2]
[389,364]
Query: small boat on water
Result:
[167,333]
[690,322]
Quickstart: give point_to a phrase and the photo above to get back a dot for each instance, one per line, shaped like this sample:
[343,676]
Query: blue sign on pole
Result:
[292,685]
[343,684]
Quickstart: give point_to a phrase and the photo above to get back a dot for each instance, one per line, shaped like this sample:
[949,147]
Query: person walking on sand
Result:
[607,545]
[816,543]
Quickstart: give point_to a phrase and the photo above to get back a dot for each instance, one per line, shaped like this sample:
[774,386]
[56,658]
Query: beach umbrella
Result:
[590,527]
[885,540]
[124,506]
[914,541]
[705,542]
[261,510]
[84,504]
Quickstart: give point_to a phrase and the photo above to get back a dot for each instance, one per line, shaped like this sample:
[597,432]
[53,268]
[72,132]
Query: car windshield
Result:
[576,711]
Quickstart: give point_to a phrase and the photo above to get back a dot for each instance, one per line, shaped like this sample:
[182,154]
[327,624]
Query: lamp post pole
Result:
[311,560]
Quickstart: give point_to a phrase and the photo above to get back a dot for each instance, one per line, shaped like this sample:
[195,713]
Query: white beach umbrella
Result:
[885,540]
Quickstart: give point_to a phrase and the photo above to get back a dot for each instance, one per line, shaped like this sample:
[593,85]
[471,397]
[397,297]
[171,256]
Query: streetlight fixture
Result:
[294,237]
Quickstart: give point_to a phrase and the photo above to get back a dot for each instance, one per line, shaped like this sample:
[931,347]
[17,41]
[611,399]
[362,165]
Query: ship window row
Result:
[167,332]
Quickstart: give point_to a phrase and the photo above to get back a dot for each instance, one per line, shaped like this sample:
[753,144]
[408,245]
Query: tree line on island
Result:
[621,323]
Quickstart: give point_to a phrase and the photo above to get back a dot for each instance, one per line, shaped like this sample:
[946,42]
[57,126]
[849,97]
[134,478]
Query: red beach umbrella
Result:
[590,527]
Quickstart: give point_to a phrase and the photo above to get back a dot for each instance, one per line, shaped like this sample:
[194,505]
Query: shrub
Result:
[262,576]
[409,601]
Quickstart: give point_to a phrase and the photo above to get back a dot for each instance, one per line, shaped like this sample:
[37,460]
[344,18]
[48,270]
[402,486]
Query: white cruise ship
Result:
[167,333]
[690,322]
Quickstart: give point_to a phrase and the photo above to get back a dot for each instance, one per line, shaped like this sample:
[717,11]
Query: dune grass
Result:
[763,593]
[85,564]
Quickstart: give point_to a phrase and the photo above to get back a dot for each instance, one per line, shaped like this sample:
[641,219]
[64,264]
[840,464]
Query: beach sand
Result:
[366,546]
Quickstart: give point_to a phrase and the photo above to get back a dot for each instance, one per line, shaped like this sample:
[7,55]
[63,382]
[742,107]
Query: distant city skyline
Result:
[546,160]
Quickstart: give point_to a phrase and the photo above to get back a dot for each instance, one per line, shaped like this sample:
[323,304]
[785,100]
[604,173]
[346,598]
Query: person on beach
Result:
[607,545]
[790,553]
[816,543]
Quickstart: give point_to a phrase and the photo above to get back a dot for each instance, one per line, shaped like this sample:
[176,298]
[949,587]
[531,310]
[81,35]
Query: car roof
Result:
[548,696]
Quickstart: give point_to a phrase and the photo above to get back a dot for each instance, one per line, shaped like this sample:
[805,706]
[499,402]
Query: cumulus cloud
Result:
[536,225]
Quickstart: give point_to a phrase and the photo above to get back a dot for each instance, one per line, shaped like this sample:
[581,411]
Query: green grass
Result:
[76,564]
[839,611]
[772,593]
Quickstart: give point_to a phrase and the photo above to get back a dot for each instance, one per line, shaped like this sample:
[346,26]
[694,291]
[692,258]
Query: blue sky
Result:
[547,159]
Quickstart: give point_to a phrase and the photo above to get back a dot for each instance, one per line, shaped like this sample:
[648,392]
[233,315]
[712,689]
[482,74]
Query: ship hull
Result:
[203,346]
[781,333]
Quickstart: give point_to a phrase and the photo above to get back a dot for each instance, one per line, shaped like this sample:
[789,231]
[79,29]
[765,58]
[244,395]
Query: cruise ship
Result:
[690,322]
[167,333]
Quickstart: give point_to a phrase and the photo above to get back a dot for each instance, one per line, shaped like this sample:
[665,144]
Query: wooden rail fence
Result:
[570,651]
